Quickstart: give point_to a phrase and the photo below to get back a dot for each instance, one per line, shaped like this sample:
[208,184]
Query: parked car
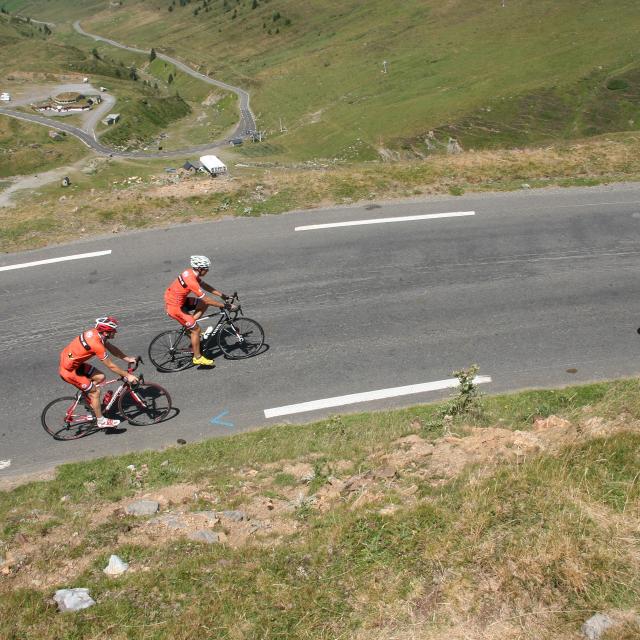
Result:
[5,97]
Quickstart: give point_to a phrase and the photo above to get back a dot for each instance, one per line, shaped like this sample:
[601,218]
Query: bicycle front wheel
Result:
[240,338]
[146,403]
[171,351]
[66,419]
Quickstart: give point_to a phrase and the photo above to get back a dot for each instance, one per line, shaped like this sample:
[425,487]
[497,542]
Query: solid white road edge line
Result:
[77,256]
[353,223]
[339,401]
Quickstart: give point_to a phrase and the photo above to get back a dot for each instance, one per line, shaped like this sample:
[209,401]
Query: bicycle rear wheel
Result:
[64,421]
[171,351]
[240,338]
[146,403]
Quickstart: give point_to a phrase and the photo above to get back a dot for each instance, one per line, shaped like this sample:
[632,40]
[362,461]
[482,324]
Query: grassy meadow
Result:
[55,12]
[27,148]
[507,545]
[491,76]
[526,73]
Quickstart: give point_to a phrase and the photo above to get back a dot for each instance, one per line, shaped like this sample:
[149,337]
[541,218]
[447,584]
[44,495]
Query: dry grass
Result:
[106,202]
[509,547]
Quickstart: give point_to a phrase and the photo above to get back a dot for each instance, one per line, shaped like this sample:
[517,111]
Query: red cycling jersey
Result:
[73,357]
[80,349]
[187,282]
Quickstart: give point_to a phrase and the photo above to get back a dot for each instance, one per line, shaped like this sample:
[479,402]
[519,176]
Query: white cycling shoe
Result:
[107,423]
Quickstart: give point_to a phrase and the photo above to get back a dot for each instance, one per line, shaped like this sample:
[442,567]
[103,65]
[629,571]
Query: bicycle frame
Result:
[225,316]
[139,403]
[70,415]
[221,320]
[112,401]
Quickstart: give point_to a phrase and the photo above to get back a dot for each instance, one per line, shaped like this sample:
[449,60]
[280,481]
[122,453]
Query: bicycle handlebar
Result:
[230,300]
[233,299]
[134,365]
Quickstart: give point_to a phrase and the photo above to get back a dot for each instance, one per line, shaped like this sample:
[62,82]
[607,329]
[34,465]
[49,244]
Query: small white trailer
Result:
[213,165]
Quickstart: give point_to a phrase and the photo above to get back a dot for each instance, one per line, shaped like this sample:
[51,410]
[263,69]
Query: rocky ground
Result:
[263,507]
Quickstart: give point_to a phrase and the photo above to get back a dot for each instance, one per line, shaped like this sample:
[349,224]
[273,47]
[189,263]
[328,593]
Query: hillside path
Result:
[247,120]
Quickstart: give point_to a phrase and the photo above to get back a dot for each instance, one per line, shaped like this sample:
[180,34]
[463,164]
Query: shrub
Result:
[617,84]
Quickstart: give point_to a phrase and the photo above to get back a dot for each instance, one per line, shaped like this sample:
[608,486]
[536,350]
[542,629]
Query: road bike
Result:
[235,335]
[144,403]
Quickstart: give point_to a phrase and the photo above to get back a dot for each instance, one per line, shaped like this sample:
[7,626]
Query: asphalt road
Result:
[247,121]
[533,284]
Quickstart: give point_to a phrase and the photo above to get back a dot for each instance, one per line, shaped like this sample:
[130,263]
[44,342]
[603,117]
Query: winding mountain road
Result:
[247,120]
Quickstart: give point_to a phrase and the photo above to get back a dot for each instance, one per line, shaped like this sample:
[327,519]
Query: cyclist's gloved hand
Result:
[224,296]
[230,307]
[131,379]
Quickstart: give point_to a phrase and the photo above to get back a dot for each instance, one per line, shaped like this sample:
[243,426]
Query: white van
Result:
[5,97]
[213,165]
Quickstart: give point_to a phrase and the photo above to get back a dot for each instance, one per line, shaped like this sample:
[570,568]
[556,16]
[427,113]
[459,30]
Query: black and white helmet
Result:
[200,262]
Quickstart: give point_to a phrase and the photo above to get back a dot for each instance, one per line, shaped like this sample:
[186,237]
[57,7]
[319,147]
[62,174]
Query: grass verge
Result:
[103,199]
[26,148]
[360,529]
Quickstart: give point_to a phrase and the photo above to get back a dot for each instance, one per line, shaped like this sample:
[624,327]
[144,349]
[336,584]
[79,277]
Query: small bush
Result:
[617,84]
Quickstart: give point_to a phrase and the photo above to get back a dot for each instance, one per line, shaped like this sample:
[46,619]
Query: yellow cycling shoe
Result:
[204,361]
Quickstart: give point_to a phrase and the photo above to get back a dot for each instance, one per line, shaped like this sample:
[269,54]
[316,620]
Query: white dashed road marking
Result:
[77,256]
[340,401]
[355,223]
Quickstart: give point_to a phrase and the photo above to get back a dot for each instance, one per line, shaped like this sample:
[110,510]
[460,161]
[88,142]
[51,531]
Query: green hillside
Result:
[18,36]
[520,523]
[489,75]
[54,10]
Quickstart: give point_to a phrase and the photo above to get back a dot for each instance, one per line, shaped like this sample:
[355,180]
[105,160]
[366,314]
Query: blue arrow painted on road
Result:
[218,419]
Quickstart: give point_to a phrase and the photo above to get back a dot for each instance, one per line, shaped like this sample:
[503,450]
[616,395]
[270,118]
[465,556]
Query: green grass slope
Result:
[18,37]
[25,148]
[53,10]
[352,532]
[490,75]
[144,117]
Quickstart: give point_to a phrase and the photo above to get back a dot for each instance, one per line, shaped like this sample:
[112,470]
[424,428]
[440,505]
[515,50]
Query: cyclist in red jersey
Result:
[187,309]
[75,369]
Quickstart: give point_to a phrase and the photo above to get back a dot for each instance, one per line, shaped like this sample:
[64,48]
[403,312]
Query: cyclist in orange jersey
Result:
[187,309]
[75,369]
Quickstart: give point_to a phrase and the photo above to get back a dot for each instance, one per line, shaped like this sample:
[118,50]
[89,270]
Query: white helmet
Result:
[106,324]
[200,262]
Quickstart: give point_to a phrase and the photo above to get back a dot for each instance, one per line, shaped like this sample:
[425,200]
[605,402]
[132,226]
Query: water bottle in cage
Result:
[208,331]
